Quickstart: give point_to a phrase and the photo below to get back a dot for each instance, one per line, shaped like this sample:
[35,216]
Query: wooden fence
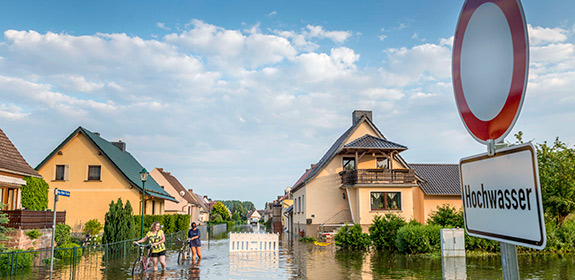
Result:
[27,219]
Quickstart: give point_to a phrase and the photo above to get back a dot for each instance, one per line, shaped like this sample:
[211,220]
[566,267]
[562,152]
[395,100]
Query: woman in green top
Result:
[157,240]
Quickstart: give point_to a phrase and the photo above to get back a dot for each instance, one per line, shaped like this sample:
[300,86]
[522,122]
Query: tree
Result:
[35,194]
[557,177]
[221,210]
[118,222]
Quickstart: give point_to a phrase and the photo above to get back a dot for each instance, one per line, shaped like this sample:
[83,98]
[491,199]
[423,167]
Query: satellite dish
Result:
[182,193]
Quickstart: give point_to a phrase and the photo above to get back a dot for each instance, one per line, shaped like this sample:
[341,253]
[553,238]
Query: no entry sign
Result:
[490,66]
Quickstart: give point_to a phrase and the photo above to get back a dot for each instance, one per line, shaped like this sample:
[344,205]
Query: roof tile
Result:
[440,179]
[12,160]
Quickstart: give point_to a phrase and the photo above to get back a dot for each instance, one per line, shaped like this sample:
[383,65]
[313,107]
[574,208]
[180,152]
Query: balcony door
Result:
[348,163]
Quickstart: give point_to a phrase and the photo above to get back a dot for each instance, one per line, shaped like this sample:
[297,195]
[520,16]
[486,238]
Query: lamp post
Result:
[144,178]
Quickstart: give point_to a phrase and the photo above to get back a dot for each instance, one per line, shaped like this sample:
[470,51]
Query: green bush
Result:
[473,243]
[62,234]
[446,216]
[352,238]
[307,239]
[383,231]
[93,227]
[171,222]
[33,234]
[24,260]
[562,238]
[35,194]
[65,253]
[418,239]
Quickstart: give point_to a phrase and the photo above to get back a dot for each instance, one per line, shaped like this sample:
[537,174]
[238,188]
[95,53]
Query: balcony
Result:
[377,176]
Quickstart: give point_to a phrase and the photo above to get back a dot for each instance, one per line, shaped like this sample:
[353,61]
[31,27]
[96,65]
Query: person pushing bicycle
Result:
[157,240]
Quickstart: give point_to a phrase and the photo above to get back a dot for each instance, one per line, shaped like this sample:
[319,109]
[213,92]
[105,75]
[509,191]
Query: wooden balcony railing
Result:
[377,176]
[27,219]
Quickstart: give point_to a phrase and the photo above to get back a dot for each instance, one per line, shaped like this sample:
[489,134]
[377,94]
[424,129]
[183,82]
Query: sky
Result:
[237,98]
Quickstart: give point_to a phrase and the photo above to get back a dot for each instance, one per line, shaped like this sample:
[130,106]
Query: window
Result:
[382,163]
[302,203]
[348,163]
[94,172]
[153,207]
[299,205]
[385,200]
[61,173]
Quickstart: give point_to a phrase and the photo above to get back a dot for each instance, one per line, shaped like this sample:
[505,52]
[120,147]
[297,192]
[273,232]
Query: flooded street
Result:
[296,260]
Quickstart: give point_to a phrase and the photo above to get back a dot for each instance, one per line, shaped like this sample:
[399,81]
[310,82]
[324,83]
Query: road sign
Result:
[502,197]
[490,66]
[63,193]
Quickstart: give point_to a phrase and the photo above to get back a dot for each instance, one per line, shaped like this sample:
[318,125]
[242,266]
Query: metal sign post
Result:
[490,64]
[57,193]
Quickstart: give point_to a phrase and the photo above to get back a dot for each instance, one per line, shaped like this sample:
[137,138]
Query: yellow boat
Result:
[321,243]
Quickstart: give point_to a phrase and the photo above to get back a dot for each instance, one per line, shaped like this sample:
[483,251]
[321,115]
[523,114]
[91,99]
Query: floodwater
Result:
[296,260]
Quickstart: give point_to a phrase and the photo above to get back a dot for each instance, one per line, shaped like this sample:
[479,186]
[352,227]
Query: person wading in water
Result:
[195,242]
[157,240]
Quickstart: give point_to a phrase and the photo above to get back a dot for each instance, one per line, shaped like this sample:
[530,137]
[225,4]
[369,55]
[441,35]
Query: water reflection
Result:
[296,260]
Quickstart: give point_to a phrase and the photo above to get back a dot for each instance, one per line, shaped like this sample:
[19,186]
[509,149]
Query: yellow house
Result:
[363,175]
[97,172]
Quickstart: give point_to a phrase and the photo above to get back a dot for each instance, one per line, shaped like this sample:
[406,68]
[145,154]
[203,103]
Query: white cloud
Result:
[162,26]
[540,35]
[273,13]
[336,36]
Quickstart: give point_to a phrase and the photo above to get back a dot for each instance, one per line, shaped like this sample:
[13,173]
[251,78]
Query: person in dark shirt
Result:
[195,242]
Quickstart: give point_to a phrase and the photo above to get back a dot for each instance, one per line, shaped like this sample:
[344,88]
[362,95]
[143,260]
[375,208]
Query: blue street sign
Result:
[63,193]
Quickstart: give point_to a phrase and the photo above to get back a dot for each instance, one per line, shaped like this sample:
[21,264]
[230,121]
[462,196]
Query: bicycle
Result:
[183,250]
[143,260]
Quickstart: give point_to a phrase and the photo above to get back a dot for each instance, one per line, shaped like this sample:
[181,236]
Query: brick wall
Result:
[19,240]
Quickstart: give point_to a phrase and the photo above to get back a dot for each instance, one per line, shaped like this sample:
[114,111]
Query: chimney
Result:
[120,145]
[97,133]
[190,190]
[357,114]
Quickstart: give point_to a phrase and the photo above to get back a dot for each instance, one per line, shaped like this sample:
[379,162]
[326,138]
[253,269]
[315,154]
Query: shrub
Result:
[446,216]
[62,234]
[383,231]
[307,239]
[93,227]
[24,260]
[66,254]
[560,238]
[417,239]
[171,222]
[33,234]
[35,194]
[473,243]
[352,238]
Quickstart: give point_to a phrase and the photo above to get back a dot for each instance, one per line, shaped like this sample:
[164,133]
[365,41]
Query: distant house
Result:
[97,172]
[188,202]
[253,216]
[13,170]
[363,175]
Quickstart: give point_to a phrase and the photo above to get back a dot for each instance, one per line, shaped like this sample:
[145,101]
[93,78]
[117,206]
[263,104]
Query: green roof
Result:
[126,164]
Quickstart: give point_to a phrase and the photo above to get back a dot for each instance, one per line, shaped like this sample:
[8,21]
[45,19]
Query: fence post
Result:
[74,257]
[15,266]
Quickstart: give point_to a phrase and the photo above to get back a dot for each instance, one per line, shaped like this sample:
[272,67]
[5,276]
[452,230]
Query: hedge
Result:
[171,222]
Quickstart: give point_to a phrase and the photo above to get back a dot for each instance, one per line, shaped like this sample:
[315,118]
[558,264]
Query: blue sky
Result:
[237,98]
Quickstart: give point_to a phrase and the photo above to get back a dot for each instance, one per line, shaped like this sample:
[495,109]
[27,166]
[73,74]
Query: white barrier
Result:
[253,242]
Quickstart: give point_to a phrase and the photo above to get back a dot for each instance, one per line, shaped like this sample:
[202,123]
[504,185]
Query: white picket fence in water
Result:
[253,242]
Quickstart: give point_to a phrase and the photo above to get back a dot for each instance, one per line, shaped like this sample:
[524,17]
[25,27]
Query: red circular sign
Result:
[491,125]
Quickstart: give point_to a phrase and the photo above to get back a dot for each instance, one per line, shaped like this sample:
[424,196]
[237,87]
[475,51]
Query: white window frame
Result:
[400,201]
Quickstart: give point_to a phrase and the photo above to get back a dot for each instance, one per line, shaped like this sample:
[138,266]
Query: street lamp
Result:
[144,178]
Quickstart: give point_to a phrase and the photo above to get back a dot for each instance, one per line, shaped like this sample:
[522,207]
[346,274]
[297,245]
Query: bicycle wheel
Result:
[138,266]
[181,256]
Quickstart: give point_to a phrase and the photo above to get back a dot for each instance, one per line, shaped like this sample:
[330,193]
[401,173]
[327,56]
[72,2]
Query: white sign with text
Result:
[502,196]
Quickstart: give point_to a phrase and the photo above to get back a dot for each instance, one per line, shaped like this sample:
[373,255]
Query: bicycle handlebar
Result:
[143,245]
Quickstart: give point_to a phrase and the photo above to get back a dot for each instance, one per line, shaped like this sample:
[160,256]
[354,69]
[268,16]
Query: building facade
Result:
[97,172]
[363,175]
